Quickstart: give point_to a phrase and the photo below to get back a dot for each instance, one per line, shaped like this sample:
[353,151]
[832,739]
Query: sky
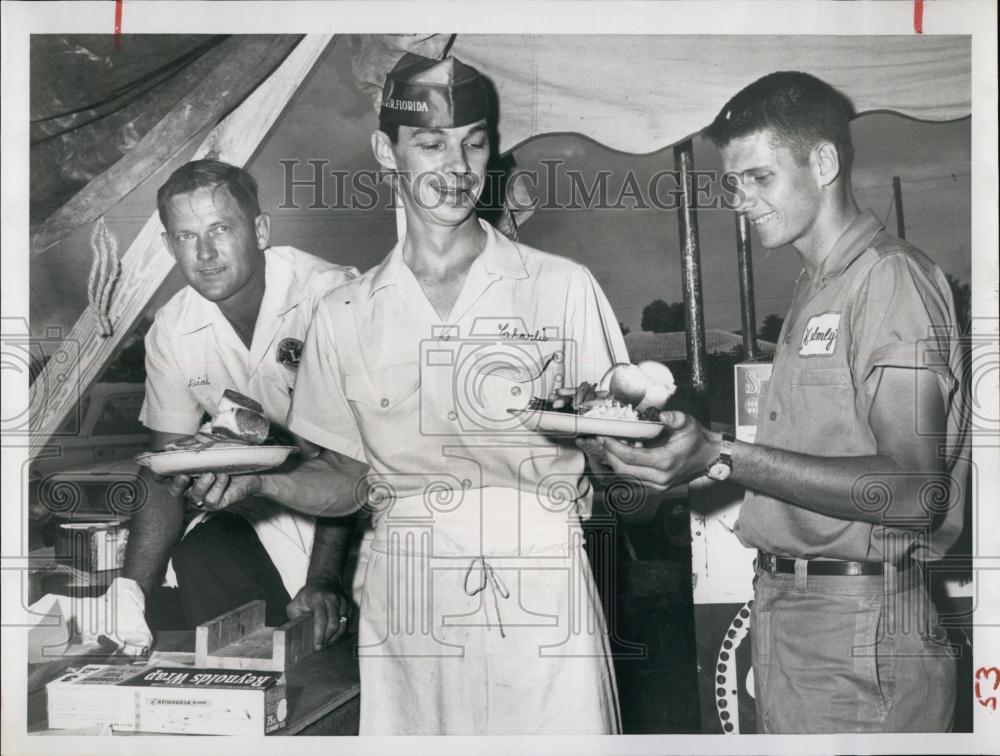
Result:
[634,253]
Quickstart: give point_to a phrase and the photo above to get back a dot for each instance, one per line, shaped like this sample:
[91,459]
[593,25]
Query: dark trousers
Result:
[220,565]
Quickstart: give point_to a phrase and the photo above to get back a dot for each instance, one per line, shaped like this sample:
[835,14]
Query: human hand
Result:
[331,611]
[215,491]
[176,484]
[121,619]
[592,447]
[689,448]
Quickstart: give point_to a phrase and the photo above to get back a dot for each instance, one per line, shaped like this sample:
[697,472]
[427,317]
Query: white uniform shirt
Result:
[193,355]
[424,402]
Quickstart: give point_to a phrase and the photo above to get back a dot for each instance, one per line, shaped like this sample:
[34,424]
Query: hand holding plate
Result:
[685,453]
[213,492]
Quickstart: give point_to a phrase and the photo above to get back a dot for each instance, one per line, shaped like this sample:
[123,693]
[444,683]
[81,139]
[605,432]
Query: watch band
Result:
[722,467]
[726,449]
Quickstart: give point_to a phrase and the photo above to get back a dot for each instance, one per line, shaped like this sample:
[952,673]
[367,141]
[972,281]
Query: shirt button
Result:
[384,402]
[466,483]
[453,416]
[773,415]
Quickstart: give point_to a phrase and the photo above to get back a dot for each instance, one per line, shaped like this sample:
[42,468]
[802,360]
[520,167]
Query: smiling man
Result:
[238,324]
[479,610]
[858,471]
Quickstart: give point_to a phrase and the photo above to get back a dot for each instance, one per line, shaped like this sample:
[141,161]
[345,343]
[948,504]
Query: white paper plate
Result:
[578,425]
[233,460]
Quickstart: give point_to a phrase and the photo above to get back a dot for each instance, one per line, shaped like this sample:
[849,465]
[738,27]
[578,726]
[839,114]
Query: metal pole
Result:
[747,314]
[897,193]
[687,224]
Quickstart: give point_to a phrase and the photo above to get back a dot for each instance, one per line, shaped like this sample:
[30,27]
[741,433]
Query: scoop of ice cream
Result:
[648,384]
[660,386]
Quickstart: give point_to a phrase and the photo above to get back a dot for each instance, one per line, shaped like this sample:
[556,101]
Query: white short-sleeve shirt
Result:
[193,355]
[424,402]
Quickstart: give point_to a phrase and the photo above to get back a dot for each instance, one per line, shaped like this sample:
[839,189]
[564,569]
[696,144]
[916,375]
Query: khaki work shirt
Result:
[877,302]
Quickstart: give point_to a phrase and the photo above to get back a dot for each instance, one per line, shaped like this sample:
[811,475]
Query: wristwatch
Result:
[722,467]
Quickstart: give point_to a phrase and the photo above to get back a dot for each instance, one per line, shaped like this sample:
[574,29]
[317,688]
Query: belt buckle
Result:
[769,562]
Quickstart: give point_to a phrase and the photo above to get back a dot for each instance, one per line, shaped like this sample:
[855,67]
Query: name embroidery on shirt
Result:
[820,335]
[507,332]
[201,380]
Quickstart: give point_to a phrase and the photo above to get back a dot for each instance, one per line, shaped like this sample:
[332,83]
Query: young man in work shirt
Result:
[479,611]
[238,324]
[857,475]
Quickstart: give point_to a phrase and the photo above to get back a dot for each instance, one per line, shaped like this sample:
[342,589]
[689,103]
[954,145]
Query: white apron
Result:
[480,616]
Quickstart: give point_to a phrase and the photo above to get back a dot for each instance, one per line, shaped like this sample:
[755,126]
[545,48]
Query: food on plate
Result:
[240,421]
[239,418]
[625,392]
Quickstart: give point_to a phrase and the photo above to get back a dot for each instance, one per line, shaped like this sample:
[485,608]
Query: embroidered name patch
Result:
[289,352]
[820,336]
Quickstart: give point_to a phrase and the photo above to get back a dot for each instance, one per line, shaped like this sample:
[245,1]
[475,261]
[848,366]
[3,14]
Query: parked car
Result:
[75,474]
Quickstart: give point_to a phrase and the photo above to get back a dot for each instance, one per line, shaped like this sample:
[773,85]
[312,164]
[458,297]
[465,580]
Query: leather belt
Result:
[776,564]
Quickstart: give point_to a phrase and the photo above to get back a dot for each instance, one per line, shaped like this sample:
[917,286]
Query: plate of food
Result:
[236,441]
[625,403]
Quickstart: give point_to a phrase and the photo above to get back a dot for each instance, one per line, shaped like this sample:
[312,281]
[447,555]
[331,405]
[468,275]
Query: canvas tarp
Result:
[105,115]
[641,93]
[145,98]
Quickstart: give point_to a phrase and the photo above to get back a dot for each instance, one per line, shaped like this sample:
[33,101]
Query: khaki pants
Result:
[849,654]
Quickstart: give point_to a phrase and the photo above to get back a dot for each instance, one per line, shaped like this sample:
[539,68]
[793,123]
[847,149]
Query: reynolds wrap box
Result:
[208,701]
[169,700]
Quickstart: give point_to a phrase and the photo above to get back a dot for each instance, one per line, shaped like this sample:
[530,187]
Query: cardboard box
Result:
[208,701]
[182,700]
[90,695]
[751,380]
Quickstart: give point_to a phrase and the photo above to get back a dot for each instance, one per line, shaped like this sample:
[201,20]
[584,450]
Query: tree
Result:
[962,295]
[770,329]
[660,317]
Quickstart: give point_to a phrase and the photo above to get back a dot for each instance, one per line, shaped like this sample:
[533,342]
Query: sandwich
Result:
[240,421]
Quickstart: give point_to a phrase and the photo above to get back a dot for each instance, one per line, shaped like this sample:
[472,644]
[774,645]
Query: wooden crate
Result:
[239,639]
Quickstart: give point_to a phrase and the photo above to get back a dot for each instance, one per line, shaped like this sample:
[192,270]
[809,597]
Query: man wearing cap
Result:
[858,471]
[479,610]
[239,324]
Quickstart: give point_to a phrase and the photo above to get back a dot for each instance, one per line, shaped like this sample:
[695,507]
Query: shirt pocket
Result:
[384,390]
[508,379]
[822,411]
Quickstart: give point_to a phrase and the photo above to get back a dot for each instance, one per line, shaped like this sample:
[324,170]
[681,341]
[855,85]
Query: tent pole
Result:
[747,314]
[897,195]
[687,225]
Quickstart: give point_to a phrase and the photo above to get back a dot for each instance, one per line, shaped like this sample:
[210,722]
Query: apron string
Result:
[487,576]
